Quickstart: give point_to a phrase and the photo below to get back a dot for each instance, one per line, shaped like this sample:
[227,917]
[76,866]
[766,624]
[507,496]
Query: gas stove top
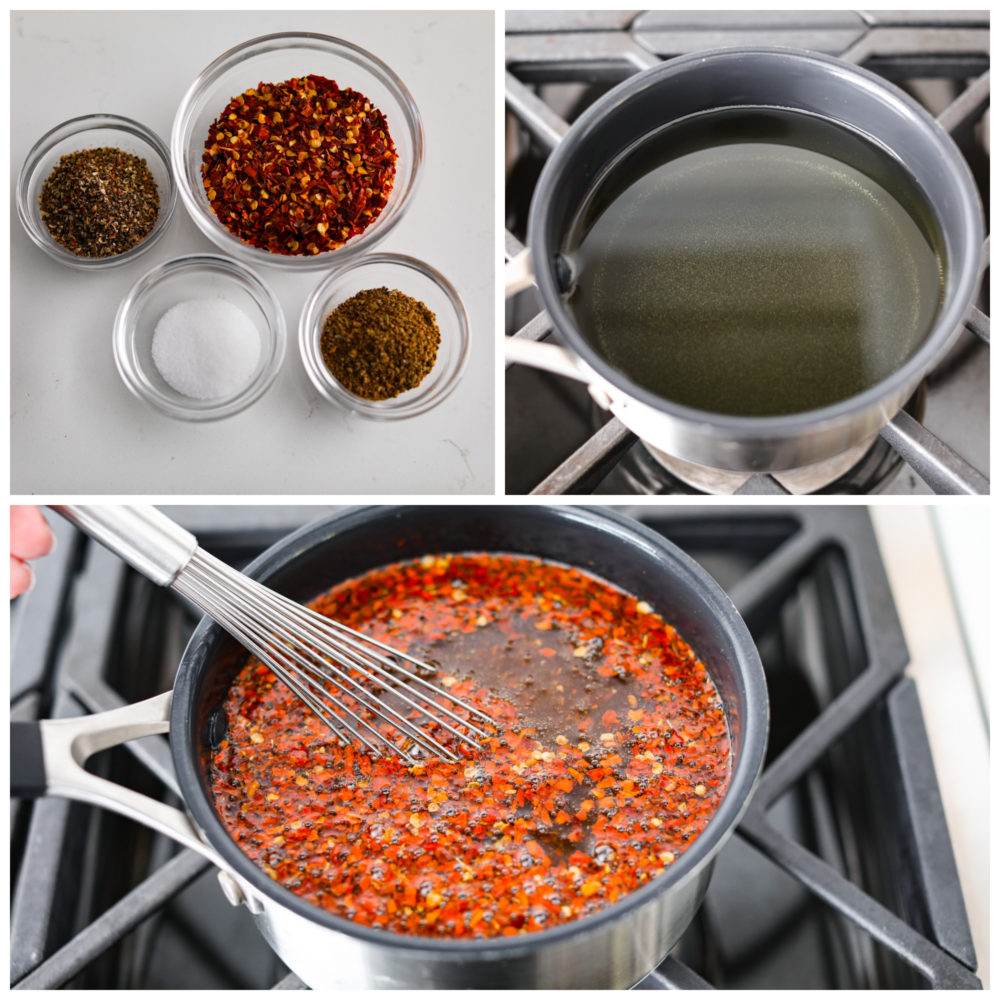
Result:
[840,876]
[560,62]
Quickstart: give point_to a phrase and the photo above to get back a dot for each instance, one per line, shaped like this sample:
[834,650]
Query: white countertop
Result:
[76,429]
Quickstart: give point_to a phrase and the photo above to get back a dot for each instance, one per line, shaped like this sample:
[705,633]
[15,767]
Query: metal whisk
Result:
[357,685]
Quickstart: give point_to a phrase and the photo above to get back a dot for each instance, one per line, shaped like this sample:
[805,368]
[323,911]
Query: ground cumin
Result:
[380,343]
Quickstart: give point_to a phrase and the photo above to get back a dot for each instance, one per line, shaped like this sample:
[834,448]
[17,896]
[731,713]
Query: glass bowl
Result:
[202,276]
[93,132]
[413,278]
[274,59]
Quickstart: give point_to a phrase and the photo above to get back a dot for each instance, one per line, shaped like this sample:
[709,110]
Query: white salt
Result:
[205,348]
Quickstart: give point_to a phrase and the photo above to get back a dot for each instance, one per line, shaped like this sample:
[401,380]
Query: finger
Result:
[21,578]
[30,534]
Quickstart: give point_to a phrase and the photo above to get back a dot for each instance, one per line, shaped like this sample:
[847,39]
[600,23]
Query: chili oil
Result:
[610,755]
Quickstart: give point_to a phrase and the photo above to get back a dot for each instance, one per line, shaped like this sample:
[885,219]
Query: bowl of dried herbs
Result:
[97,191]
[386,337]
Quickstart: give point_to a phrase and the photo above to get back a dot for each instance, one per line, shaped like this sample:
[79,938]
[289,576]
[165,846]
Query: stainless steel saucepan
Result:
[615,948]
[747,77]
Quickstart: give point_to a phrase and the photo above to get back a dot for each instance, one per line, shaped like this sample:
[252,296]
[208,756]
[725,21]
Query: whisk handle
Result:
[146,539]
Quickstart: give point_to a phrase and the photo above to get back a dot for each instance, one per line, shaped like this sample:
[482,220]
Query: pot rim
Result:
[737,799]
[947,325]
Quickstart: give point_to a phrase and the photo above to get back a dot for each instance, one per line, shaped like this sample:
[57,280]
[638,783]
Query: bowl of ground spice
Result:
[96,192]
[199,338]
[297,151]
[386,337]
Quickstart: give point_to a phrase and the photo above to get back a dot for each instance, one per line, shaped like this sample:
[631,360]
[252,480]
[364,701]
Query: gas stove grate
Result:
[869,857]
[870,707]
[93,893]
[545,47]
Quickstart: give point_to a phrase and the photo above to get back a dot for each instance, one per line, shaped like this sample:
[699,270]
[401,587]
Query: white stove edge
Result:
[946,680]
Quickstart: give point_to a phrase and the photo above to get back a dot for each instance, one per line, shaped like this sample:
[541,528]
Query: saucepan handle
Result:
[518,274]
[47,758]
[141,535]
[550,357]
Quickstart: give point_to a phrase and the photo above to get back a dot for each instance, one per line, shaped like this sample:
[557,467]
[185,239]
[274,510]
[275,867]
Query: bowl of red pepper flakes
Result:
[610,755]
[297,151]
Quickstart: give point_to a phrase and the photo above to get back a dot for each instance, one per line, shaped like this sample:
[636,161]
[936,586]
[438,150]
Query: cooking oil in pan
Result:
[754,262]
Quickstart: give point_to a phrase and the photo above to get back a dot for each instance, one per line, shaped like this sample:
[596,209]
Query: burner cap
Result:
[861,469]
[807,479]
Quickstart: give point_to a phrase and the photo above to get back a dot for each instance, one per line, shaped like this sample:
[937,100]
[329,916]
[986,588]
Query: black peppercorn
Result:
[99,202]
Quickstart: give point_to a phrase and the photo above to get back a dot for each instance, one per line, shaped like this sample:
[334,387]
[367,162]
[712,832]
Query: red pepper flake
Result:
[535,850]
[533,831]
[299,167]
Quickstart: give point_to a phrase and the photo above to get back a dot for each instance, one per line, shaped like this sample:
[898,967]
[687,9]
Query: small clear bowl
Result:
[202,276]
[274,59]
[413,278]
[93,132]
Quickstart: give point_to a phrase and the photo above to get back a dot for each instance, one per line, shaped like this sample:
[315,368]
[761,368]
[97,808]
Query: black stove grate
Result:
[841,874]
[602,48]
[101,902]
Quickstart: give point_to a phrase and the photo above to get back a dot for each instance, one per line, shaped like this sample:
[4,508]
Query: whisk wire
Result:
[291,646]
[242,626]
[394,669]
[233,622]
[376,674]
[328,624]
[342,638]
[316,657]
[373,667]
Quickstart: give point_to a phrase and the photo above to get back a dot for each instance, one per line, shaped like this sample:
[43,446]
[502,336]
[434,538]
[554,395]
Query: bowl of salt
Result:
[199,337]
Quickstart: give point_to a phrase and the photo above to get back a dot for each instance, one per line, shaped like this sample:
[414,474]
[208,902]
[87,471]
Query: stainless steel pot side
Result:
[613,949]
[767,77]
